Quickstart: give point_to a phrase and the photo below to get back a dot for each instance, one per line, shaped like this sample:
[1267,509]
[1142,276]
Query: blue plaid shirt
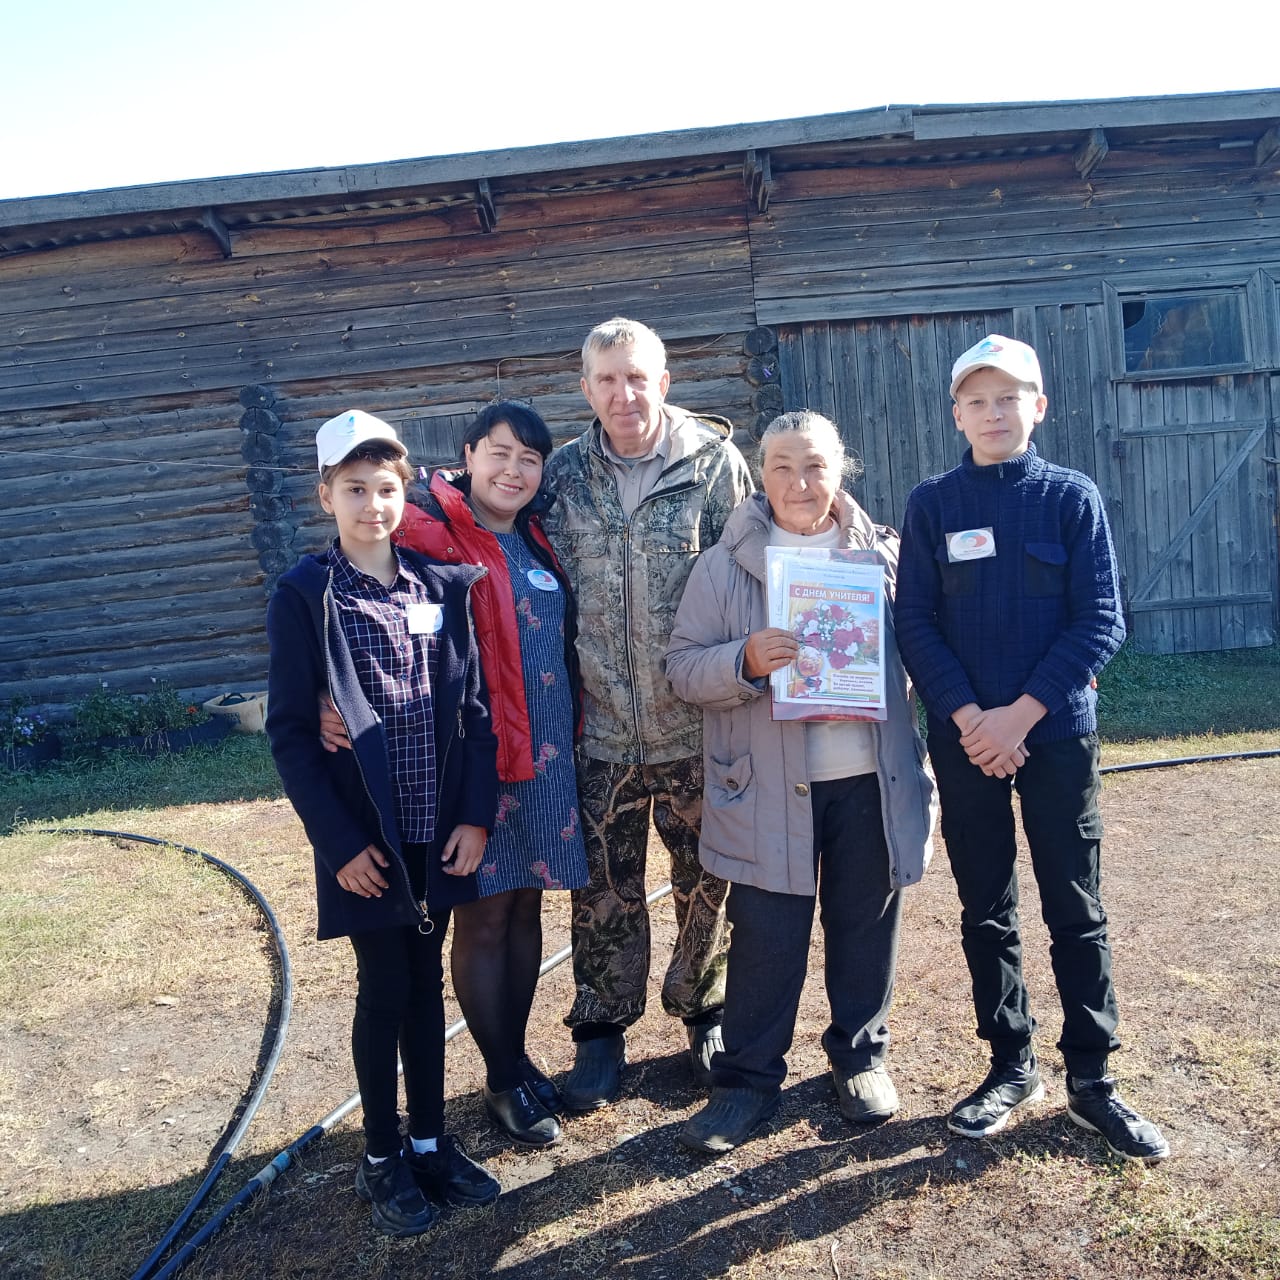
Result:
[396,670]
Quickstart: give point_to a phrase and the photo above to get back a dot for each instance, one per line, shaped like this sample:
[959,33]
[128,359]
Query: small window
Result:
[1184,333]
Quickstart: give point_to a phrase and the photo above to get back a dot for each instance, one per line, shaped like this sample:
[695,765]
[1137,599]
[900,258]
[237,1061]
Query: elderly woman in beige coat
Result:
[837,812]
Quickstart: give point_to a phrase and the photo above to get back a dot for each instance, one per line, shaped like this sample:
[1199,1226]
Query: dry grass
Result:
[92,934]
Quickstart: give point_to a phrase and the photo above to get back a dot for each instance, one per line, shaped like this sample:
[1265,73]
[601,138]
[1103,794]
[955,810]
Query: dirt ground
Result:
[109,1115]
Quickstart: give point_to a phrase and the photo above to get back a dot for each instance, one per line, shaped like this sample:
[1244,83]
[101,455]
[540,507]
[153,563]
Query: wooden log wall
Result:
[158,399]
[842,239]
[97,327]
[175,501]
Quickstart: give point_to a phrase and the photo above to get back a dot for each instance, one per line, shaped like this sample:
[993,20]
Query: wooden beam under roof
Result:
[1091,152]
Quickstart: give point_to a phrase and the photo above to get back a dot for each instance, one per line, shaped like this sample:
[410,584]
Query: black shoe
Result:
[399,1207]
[596,1077]
[728,1118]
[705,1039]
[539,1085]
[523,1117]
[987,1109]
[865,1097]
[1095,1105]
[449,1175]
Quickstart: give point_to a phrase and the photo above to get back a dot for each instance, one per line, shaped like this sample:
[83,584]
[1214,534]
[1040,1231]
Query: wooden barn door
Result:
[1194,462]
[884,383]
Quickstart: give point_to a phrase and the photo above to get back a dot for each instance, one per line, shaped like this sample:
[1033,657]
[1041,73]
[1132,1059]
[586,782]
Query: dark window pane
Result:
[1204,331]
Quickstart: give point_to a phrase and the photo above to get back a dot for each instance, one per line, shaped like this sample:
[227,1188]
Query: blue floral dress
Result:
[536,841]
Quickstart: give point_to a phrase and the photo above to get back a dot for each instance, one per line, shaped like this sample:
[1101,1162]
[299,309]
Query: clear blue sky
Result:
[106,95]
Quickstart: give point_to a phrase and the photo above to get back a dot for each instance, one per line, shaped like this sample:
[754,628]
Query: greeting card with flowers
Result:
[832,601]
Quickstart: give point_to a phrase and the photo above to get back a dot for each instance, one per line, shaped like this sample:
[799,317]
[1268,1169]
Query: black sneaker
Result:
[399,1207]
[449,1175]
[1095,1105]
[987,1109]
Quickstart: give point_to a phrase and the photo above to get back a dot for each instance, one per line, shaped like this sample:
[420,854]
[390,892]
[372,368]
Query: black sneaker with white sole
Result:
[1095,1105]
[1008,1086]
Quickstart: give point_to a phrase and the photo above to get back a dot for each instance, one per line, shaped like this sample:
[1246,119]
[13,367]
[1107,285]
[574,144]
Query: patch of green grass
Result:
[1143,696]
[237,768]
[1169,1228]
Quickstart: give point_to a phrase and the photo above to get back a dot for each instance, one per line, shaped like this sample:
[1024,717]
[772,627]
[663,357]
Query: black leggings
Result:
[400,1006]
[497,950]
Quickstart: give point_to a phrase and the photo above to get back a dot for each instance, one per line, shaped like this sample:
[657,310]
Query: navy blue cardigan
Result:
[1042,616]
[345,798]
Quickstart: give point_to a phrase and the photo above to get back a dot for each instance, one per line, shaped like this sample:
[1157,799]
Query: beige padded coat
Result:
[757,825]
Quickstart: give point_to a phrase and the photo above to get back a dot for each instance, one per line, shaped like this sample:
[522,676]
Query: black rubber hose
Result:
[277,1045]
[269,1173]
[1168,764]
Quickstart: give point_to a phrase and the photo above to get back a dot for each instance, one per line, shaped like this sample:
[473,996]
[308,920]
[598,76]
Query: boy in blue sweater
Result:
[1008,606]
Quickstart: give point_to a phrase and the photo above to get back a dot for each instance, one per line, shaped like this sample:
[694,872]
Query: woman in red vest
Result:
[525,622]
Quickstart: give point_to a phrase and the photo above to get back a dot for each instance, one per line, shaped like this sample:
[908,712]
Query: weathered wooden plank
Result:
[189,578]
[985,122]
[876,489]
[217,491]
[676,217]
[1242,256]
[702,308]
[911,217]
[944,300]
[373,286]
[846,397]
[812,253]
[1198,603]
[107,542]
[1207,620]
[123,624]
[1184,517]
[53,695]
[230,551]
[931,404]
[182,663]
[203,458]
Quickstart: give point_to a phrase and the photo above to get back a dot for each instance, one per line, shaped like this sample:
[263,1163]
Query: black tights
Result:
[399,1005]
[497,949]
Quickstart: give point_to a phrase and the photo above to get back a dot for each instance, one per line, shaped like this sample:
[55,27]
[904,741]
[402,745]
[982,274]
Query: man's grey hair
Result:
[621,332]
[826,436]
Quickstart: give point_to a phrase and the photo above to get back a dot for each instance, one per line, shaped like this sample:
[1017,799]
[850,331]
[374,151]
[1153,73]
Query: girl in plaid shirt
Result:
[398,824]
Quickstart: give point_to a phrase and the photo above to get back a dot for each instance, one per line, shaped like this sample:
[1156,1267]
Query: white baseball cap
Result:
[340,435]
[997,352]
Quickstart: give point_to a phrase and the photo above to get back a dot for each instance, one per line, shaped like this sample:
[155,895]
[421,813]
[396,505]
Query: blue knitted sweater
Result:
[1041,616]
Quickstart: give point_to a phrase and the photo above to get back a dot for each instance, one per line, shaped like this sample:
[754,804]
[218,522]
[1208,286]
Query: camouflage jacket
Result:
[629,576]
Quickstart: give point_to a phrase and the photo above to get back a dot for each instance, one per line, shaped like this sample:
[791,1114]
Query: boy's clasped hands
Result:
[995,739]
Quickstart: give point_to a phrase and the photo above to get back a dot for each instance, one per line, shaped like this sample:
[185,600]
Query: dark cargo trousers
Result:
[1058,789]
[611,938]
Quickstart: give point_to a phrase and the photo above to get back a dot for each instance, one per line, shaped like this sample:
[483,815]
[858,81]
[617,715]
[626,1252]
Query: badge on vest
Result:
[970,544]
[425,618]
[543,579]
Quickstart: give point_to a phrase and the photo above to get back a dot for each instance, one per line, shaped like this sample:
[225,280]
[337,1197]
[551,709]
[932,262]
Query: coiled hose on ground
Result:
[271,1171]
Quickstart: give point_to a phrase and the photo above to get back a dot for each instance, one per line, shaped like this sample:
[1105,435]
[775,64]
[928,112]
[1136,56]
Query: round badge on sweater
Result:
[543,579]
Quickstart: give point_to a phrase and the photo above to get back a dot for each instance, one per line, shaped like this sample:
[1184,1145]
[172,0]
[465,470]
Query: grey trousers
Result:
[769,947]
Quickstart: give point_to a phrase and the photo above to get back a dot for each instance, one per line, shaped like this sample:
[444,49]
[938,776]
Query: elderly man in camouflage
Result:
[636,498]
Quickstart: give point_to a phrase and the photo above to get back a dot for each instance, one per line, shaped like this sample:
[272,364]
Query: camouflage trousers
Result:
[610,918]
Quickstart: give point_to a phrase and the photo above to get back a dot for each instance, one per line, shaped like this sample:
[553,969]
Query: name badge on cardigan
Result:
[425,618]
[971,544]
